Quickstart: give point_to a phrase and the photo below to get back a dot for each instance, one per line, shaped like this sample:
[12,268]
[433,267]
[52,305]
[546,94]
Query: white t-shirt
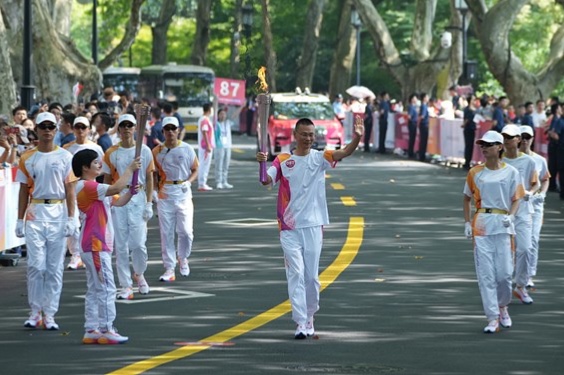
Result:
[117,159]
[74,147]
[46,174]
[527,170]
[538,118]
[542,171]
[174,164]
[301,194]
[493,189]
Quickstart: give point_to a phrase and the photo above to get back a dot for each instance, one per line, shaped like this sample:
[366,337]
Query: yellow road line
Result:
[343,260]
[337,186]
[348,201]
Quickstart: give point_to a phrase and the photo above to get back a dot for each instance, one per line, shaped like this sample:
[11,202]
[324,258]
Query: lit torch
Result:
[263,101]
[141,114]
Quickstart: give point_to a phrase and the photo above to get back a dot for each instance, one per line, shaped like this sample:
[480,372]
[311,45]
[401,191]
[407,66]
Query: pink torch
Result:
[263,102]
[141,115]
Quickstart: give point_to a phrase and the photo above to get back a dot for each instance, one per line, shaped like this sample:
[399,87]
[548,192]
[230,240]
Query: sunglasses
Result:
[505,136]
[80,126]
[128,125]
[487,144]
[527,137]
[47,127]
[170,128]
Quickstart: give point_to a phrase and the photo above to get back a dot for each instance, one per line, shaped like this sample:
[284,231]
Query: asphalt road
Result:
[400,290]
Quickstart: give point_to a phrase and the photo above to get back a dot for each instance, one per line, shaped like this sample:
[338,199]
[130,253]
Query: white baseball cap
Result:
[81,120]
[45,116]
[511,130]
[526,129]
[490,136]
[127,117]
[171,120]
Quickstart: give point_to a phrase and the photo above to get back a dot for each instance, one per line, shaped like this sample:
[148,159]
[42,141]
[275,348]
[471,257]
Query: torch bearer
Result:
[263,102]
[141,114]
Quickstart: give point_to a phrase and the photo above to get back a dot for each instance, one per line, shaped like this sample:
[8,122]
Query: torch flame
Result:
[261,74]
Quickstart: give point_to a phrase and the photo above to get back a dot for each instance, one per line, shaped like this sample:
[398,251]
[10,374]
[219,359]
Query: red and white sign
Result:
[229,91]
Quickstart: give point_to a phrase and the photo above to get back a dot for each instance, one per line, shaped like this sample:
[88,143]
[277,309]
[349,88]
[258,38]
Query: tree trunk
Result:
[308,57]
[235,58]
[202,37]
[269,53]
[422,34]
[8,97]
[492,27]
[343,57]
[61,15]
[159,32]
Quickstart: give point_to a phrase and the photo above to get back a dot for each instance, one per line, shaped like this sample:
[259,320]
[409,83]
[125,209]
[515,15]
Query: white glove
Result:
[70,227]
[508,220]
[468,230]
[527,196]
[539,198]
[155,196]
[148,211]
[20,231]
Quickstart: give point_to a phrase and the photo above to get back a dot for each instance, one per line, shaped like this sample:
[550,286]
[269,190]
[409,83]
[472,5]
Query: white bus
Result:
[122,79]
[191,86]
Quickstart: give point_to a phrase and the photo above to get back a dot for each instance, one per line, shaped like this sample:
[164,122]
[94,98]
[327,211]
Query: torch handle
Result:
[134,182]
[262,172]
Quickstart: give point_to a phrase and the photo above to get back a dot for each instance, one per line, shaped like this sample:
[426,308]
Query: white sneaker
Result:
[50,323]
[310,330]
[228,186]
[530,283]
[142,284]
[492,327]
[112,337]
[125,293]
[168,276]
[75,262]
[205,188]
[91,337]
[504,318]
[522,294]
[184,267]
[300,332]
[35,320]
[220,186]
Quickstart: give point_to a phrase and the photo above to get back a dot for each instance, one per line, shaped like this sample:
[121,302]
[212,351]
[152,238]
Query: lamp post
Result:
[247,28]
[94,44]
[357,23]
[462,7]
[26,93]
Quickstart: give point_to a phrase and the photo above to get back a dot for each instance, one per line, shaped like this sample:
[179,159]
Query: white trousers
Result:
[204,167]
[538,216]
[302,249]
[176,215]
[222,158]
[46,247]
[523,248]
[100,301]
[494,266]
[130,237]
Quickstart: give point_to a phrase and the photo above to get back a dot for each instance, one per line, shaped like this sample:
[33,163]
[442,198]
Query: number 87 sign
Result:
[229,91]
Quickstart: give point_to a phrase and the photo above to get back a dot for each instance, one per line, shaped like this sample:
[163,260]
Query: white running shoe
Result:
[91,337]
[300,332]
[125,293]
[492,327]
[142,284]
[228,186]
[50,323]
[112,337]
[310,330]
[75,262]
[205,188]
[220,186]
[504,318]
[168,276]
[35,320]
[522,294]
[530,283]
[184,267]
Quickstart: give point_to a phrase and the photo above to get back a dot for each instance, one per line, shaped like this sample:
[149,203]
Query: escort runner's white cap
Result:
[81,120]
[526,129]
[46,116]
[171,120]
[511,130]
[127,117]
[490,136]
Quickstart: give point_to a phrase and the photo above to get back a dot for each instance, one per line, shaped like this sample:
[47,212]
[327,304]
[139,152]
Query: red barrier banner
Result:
[434,141]
[541,142]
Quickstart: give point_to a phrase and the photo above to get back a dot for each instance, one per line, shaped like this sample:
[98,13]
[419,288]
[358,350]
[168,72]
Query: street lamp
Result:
[94,28]
[247,10]
[27,89]
[468,67]
[356,23]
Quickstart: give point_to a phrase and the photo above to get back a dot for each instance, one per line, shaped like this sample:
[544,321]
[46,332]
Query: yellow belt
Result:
[491,211]
[176,182]
[47,201]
